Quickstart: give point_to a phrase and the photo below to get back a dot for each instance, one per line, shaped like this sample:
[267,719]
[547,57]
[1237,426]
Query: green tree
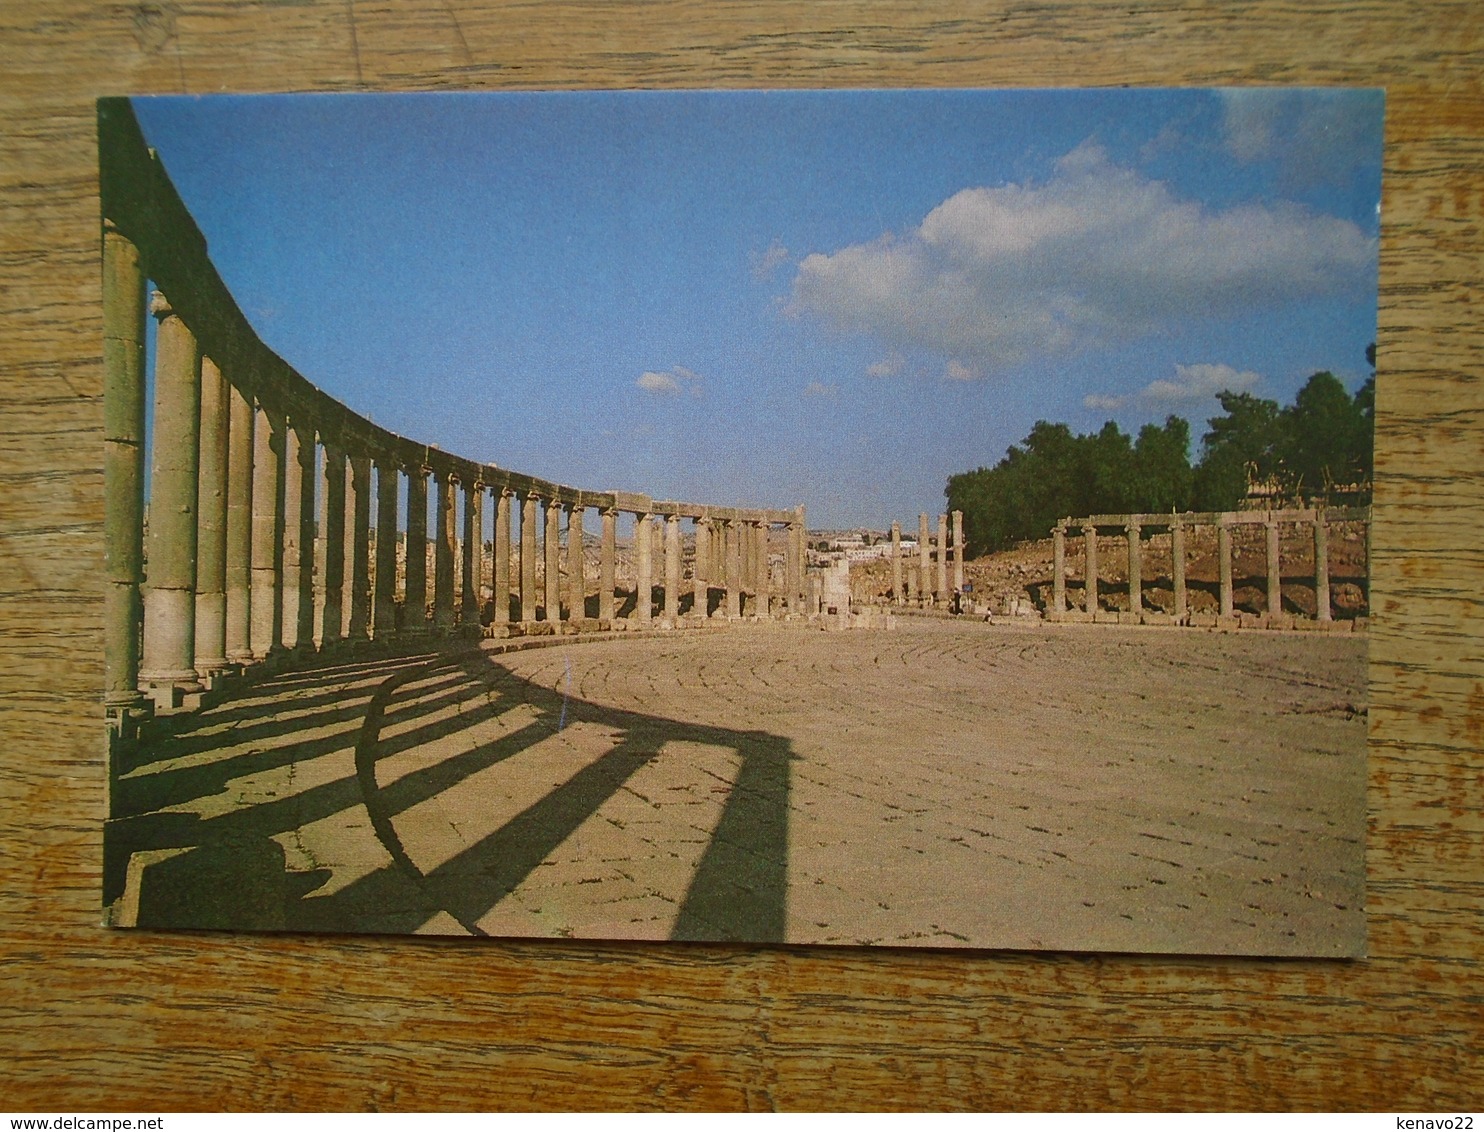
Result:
[1162,476]
[1324,436]
[1245,441]
[1053,474]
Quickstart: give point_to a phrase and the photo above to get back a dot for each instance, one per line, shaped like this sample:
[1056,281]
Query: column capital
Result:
[160,306]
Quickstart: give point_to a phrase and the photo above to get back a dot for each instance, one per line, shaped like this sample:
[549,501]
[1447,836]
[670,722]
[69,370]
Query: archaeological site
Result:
[357,683]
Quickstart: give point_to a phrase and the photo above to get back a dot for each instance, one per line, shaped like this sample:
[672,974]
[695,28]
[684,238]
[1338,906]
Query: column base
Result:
[172,698]
[125,716]
[217,673]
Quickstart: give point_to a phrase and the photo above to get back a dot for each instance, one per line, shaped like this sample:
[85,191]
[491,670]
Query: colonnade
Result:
[1133,527]
[275,512]
[923,578]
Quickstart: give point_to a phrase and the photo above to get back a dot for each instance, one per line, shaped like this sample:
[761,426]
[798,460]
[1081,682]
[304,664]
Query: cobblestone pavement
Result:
[940,784]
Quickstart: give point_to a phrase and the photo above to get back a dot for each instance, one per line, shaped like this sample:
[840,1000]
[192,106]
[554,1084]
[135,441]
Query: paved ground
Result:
[1088,787]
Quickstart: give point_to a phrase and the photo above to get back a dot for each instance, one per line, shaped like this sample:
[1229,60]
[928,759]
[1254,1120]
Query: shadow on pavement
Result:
[183,851]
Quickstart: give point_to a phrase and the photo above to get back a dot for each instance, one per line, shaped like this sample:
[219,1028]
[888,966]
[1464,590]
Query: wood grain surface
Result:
[98,1020]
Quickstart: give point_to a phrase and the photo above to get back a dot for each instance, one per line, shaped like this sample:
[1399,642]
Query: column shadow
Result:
[231,871]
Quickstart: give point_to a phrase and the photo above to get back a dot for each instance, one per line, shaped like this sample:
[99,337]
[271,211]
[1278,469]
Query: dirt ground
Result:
[938,784]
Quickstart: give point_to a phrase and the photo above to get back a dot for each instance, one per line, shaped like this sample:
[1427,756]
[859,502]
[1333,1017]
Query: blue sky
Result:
[769,298]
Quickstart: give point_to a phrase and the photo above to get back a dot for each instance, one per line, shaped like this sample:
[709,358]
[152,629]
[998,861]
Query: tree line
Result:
[1297,452]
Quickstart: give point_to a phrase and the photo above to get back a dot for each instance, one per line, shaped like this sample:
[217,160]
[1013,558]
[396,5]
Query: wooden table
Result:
[97,1020]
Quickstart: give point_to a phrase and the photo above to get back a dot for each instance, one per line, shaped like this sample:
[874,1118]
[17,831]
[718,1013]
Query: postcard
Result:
[912,518]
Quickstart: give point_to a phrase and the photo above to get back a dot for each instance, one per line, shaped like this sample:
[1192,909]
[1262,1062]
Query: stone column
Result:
[529,506]
[576,579]
[912,587]
[1321,566]
[1224,564]
[211,532]
[644,586]
[940,590]
[445,533]
[746,547]
[764,573]
[744,564]
[1059,569]
[1135,567]
[169,663]
[801,559]
[298,475]
[331,588]
[958,552]
[502,556]
[734,569]
[357,590]
[553,545]
[896,563]
[700,591]
[1275,570]
[384,603]
[607,552]
[473,563]
[239,526]
[672,568]
[415,553]
[1090,567]
[123,468]
[267,533]
[1177,564]
[924,567]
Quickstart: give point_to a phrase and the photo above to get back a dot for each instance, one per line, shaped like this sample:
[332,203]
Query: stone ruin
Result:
[259,543]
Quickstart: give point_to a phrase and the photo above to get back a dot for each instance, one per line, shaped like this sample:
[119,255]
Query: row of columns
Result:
[1133,528]
[730,554]
[259,540]
[925,581]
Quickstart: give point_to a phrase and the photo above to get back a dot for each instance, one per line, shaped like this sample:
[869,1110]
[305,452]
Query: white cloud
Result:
[957,371]
[765,263]
[1191,385]
[889,366]
[658,382]
[1097,255]
[821,389]
[1197,382]
[671,382]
